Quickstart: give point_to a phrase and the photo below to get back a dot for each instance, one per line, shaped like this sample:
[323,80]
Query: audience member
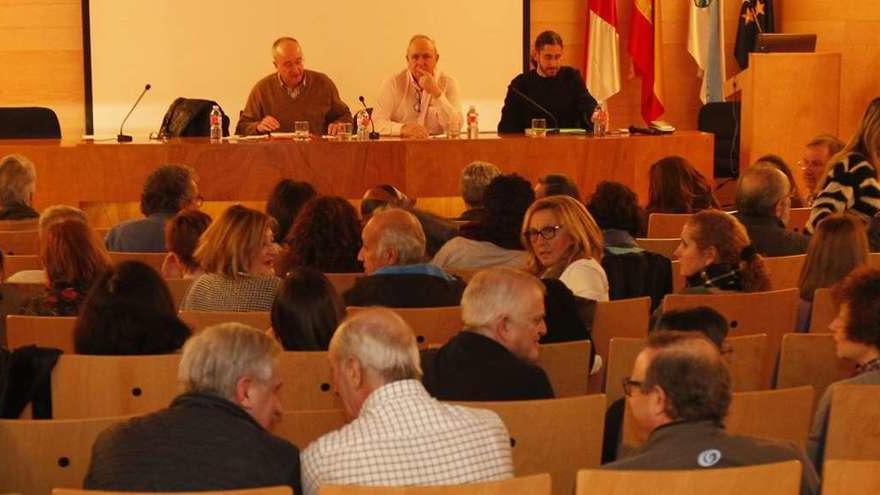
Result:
[763,203]
[306,311]
[556,185]
[818,151]
[496,356]
[716,254]
[50,215]
[182,234]
[564,242]
[398,435]
[777,162]
[73,258]
[675,186]
[438,231]
[287,199]
[393,255]
[837,248]
[326,236]
[18,178]
[474,179]
[167,190]
[129,310]
[856,338]
[679,394]
[215,435]
[493,239]
[238,255]
[850,181]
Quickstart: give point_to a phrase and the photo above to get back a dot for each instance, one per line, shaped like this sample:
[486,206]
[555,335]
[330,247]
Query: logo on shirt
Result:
[709,458]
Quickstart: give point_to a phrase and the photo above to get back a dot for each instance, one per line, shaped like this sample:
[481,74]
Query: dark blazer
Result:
[770,238]
[404,291]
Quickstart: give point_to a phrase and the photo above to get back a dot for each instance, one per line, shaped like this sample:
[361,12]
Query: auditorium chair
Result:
[667,225]
[538,484]
[12,296]
[781,478]
[306,379]
[271,490]
[42,454]
[153,260]
[19,242]
[178,288]
[853,431]
[823,311]
[343,281]
[433,326]
[42,331]
[15,263]
[810,359]
[29,123]
[842,477]
[567,365]
[622,355]
[621,318]
[874,260]
[797,219]
[18,225]
[555,436]
[664,246]
[784,271]
[200,320]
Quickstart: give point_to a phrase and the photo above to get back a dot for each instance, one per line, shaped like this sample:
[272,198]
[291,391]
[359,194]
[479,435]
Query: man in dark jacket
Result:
[763,202]
[212,437]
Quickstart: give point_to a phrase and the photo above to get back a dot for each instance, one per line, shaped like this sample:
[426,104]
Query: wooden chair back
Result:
[200,320]
[15,263]
[797,219]
[178,288]
[95,386]
[663,246]
[12,296]
[567,365]
[621,357]
[304,427]
[306,379]
[270,490]
[343,281]
[43,331]
[782,478]
[621,318]
[433,326]
[667,225]
[874,260]
[538,484]
[843,477]
[810,359]
[745,357]
[823,312]
[556,436]
[154,260]
[42,454]
[677,278]
[784,271]
[19,225]
[19,242]
[854,423]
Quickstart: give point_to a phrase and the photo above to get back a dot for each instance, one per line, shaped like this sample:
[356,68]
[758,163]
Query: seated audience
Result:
[167,190]
[285,202]
[680,393]
[493,239]
[214,436]
[763,203]
[306,311]
[556,185]
[564,242]
[837,248]
[129,310]
[716,254]
[326,236]
[675,186]
[18,178]
[393,254]
[50,215]
[856,338]
[777,162]
[631,271]
[474,179]
[398,435]
[850,181]
[182,235]
[238,254]
[818,151]
[73,258]
[496,356]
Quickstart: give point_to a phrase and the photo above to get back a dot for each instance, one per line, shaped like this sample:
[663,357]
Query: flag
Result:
[644,48]
[755,16]
[603,60]
[706,46]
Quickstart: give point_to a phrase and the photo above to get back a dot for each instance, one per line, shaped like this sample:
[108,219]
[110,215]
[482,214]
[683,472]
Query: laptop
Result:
[785,43]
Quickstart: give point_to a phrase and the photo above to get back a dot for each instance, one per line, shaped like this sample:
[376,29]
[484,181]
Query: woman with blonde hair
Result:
[850,181]
[839,246]
[564,242]
[238,253]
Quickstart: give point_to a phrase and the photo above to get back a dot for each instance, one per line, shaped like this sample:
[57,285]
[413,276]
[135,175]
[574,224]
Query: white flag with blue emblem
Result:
[706,46]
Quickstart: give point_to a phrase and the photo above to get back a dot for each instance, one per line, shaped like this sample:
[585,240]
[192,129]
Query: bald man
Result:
[763,203]
[292,93]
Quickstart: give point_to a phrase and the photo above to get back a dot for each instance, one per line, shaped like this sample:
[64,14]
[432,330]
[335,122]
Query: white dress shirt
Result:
[401,101]
[405,437]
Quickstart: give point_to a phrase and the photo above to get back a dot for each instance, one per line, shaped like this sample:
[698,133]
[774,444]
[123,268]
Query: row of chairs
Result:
[668,225]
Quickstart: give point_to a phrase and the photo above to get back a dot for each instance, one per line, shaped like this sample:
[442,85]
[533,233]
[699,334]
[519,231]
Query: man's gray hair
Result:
[17,178]
[760,188]
[495,293]
[381,342]
[59,213]
[400,230]
[474,179]
[215,359]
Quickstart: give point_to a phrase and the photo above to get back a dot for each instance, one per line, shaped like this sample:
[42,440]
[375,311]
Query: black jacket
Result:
[565,96]
[404,291]
[770,238]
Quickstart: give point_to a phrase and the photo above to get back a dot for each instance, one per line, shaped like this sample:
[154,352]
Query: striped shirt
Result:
[851,185]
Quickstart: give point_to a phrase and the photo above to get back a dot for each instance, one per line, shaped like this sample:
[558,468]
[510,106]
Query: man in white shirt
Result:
[399,434]
[420,100]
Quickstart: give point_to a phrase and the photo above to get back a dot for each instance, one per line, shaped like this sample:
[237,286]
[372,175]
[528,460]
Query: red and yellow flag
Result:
[644,48]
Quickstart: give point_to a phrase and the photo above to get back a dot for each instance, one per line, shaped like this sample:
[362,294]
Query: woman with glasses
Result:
[564,242]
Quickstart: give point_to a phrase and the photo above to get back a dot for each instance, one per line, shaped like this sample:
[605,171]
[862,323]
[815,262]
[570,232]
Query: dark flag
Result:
[755,16]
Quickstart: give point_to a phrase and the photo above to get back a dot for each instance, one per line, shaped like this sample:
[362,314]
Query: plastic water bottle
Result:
[600,121]
[216,123]
[363,126]
[473,123]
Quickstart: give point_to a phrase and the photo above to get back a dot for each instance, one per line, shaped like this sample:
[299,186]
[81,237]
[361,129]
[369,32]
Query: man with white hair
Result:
[393,254]
[495,357]
[17,181]
[475,177]
[398,435]
[215,435]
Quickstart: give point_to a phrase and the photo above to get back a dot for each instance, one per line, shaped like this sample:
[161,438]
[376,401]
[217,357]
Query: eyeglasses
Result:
[548,232]
[629,384]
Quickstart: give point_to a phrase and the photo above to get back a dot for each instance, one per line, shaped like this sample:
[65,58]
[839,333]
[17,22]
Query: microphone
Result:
[373,134]
[555,129]
[122,138]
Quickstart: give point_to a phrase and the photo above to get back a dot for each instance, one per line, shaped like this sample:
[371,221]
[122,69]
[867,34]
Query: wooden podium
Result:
[787,98]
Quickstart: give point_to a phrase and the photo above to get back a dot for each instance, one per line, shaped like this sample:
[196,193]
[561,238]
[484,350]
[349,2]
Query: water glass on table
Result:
[539,127]
[301,130]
